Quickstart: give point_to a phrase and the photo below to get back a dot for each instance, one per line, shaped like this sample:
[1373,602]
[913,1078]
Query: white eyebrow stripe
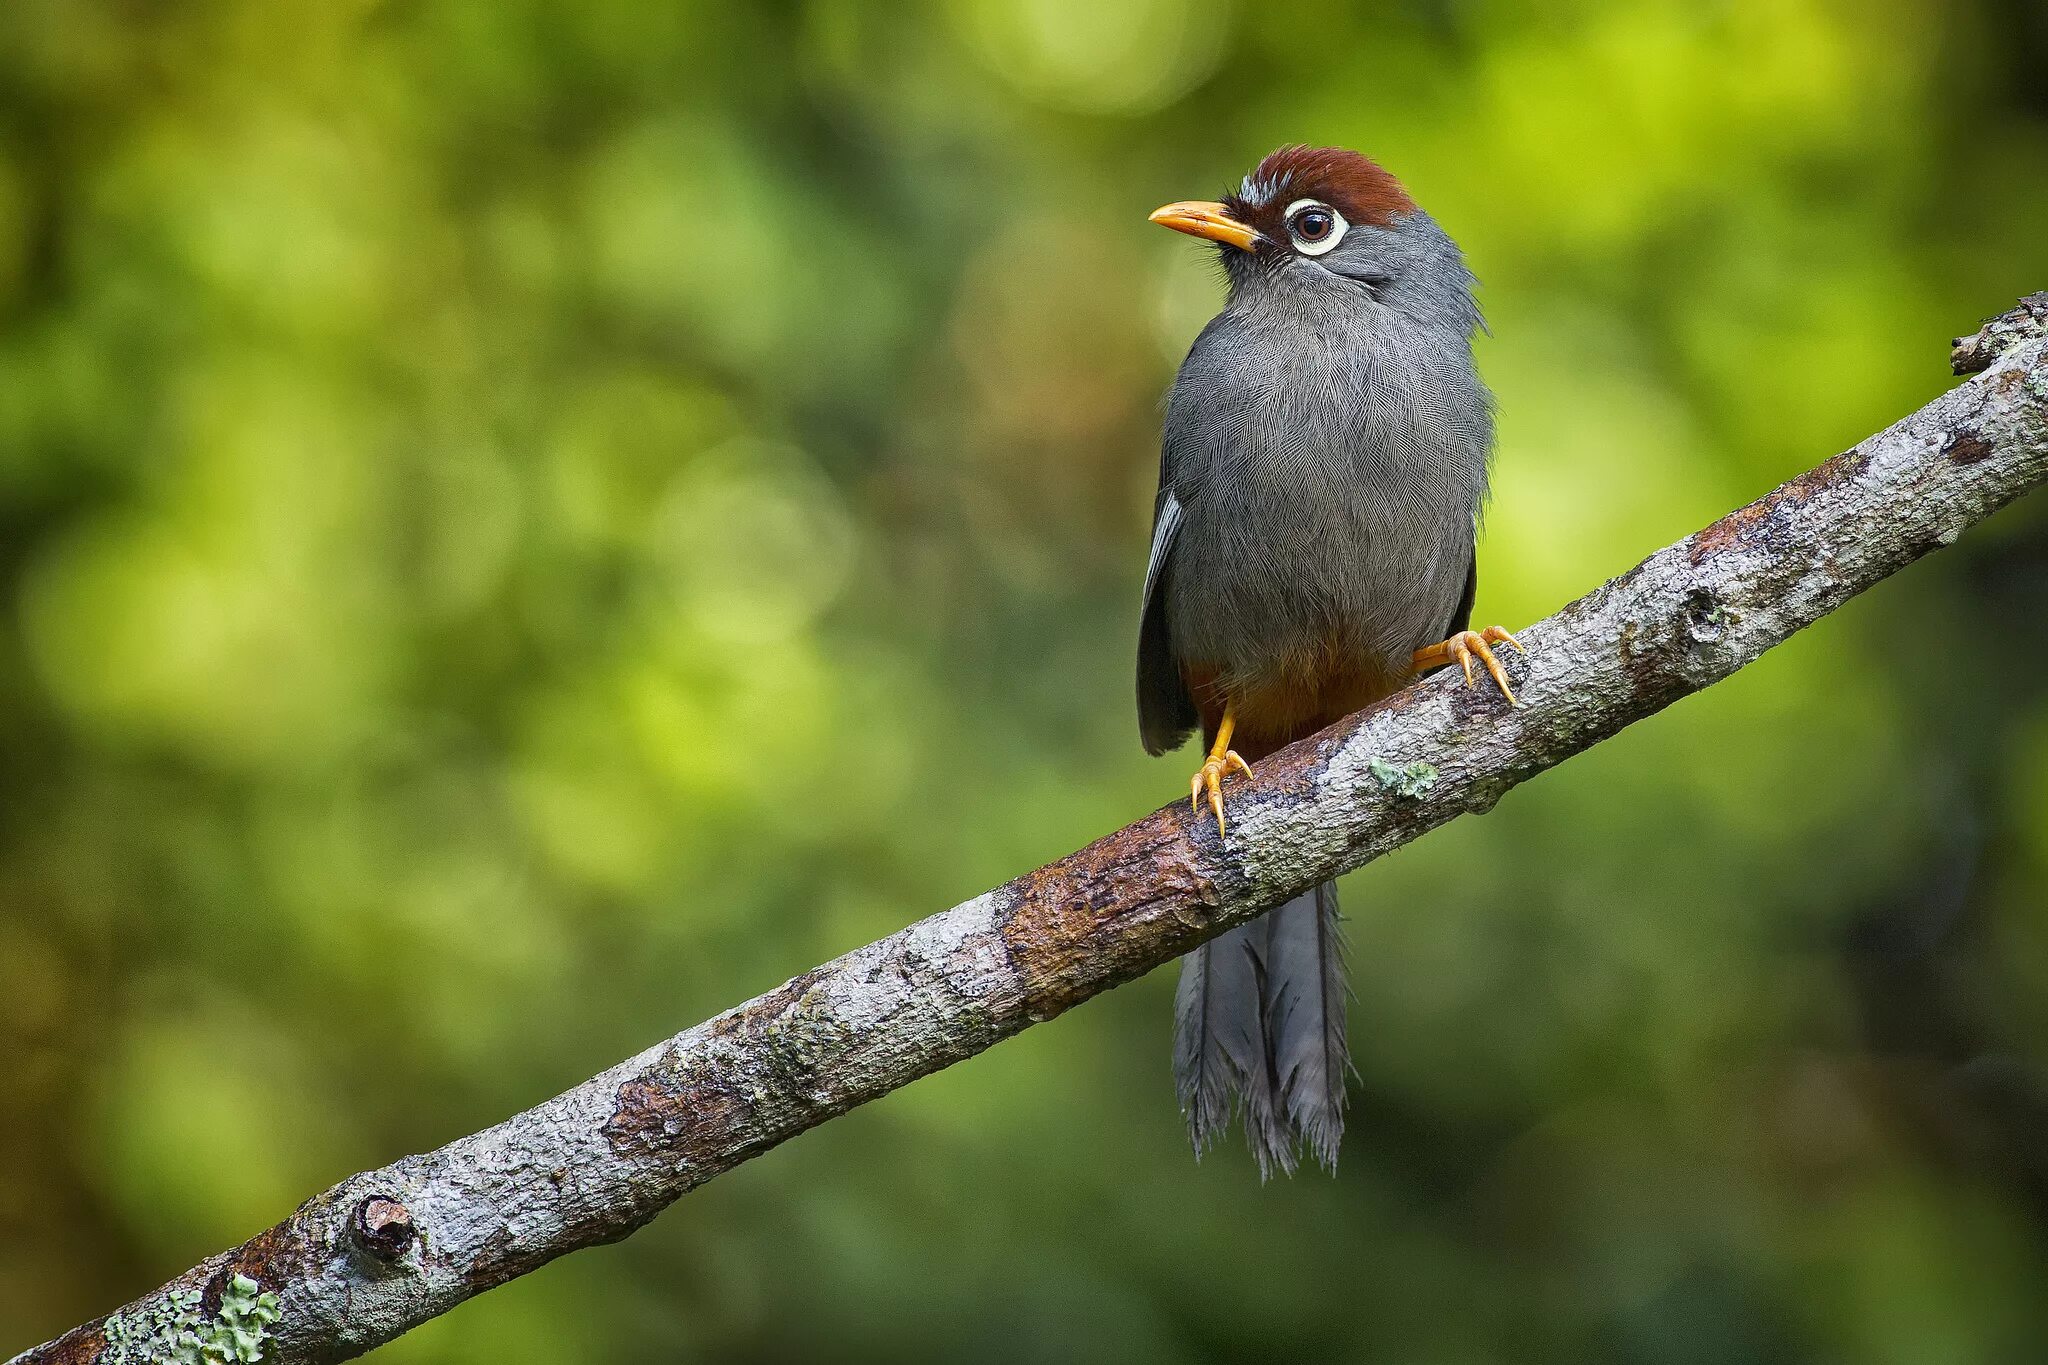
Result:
[1260,189]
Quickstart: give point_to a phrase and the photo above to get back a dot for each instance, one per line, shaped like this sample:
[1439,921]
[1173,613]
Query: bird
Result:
[1322,471]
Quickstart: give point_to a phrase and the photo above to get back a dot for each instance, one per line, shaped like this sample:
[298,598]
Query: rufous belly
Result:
[1291,701]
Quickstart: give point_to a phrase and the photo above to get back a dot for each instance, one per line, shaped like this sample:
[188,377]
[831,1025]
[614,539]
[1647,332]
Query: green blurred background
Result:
[524,524]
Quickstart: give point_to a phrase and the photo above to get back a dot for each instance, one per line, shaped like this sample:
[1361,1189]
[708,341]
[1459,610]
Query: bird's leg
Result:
[1222,758]
[1460,648]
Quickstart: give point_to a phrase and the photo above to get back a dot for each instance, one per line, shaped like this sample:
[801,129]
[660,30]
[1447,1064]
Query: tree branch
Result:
[386,1250]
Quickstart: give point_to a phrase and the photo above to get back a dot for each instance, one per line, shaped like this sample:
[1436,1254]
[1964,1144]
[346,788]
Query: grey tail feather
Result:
[1307,990]
[1259,1030]
[1220,1060]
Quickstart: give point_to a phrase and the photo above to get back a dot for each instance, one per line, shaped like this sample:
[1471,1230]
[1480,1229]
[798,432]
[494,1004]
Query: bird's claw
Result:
[1461,649]
[1210,778]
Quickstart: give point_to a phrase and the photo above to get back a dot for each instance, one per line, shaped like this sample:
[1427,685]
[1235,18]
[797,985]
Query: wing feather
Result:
[1166,714]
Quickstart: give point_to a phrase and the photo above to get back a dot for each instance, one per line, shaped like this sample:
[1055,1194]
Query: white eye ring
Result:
[1338,227]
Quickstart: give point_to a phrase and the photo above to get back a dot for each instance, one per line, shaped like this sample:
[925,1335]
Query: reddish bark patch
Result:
[1764,522]
[679,1112]
[1968,447]
[79,1346]
[504,1258]
[1096,917]
[280,1256]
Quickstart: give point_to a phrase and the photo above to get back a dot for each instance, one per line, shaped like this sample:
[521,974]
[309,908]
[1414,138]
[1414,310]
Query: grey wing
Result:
[1165,711]
[1198,435]
[1461,619]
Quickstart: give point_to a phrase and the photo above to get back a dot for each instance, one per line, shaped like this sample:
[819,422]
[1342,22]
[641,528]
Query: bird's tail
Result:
[1259,1030]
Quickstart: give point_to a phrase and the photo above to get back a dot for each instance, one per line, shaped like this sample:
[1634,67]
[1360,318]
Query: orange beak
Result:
[1202,218]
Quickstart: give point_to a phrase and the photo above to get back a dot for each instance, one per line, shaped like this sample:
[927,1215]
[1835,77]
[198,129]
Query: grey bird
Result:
[1320,483]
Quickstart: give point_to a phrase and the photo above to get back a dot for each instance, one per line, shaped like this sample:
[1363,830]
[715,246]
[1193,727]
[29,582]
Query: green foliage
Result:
[524,524]
[173,1331]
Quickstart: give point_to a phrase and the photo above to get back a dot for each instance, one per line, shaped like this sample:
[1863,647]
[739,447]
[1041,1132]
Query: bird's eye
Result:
[1315,226]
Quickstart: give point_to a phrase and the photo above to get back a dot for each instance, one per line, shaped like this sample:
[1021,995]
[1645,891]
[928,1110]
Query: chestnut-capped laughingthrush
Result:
[1320,481]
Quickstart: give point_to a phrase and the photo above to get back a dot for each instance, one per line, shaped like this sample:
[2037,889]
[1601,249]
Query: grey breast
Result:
[1328,456]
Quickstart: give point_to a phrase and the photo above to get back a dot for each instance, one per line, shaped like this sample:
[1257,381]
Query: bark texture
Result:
[386,1250]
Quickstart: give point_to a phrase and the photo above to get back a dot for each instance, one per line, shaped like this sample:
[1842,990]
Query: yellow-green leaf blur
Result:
[523,524]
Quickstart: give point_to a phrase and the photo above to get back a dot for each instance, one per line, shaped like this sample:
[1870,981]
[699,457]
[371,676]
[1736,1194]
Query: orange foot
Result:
[1210,778]
[1461,647]
[1222,758]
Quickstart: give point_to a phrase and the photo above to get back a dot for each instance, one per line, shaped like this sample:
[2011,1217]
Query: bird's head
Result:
[1317,216]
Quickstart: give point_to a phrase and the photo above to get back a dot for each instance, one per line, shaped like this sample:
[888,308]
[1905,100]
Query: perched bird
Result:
[1320,482]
